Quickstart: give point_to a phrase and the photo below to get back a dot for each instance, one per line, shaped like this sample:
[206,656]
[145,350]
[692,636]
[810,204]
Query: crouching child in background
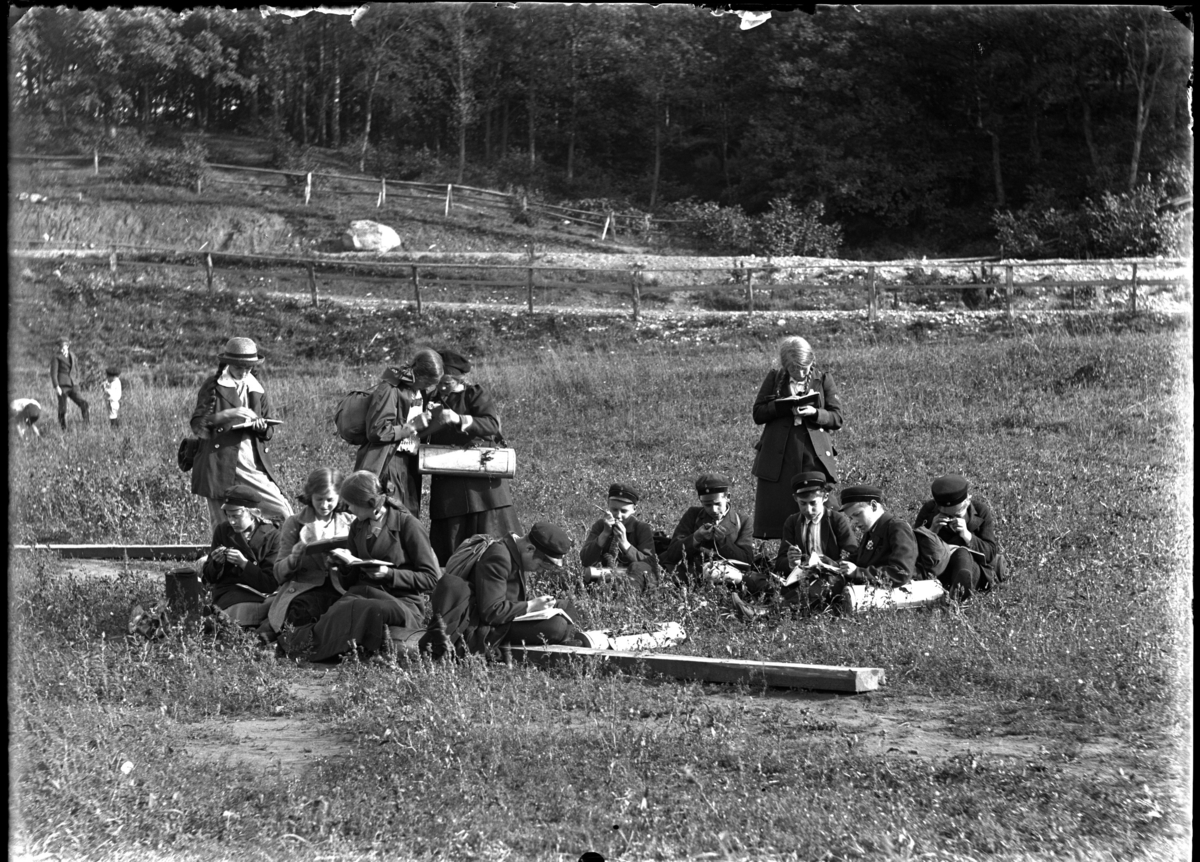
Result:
[619,541]
[24,413]
[483,600]
[241,562]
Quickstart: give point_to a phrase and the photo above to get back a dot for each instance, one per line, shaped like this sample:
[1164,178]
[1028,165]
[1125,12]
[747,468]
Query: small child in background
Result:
[112,391]
[25,412]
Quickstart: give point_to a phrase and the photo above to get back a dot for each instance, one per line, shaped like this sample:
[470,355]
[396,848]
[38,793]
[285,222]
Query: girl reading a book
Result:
[798,407]
[309,584]
[389,568]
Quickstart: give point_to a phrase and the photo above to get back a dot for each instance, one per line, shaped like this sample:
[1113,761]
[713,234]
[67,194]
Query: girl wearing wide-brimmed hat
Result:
[231,420]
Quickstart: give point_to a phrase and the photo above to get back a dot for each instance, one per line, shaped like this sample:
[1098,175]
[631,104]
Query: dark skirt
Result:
[401,481]
[773,501]
[446,534]
[360,619]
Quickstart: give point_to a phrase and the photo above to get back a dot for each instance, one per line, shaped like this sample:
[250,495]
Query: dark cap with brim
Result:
[624,493]
[710,484]
[242,496]
[949,490]
[811,481]
[861,494]
[454,364]
[550,540]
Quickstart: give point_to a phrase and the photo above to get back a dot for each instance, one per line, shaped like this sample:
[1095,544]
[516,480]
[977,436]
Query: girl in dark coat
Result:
[798,408]
[394,567]
[231,420]
[390,450]
[465,506]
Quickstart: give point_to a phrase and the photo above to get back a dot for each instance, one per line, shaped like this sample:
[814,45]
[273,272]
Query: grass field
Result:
[1062,705]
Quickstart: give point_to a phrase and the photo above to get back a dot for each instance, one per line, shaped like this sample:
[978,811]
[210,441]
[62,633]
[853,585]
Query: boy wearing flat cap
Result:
[241,563]
[619,538]
[966,559]
[887,549]
[814,529]
[465,506]
[479,611]
[712,530]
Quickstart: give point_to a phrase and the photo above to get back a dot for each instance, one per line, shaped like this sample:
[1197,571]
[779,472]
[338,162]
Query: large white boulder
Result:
[370,236]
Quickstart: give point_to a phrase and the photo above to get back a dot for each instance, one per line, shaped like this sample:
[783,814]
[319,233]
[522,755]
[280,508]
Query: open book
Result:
[543,614]
[817,564]
[931,536]
[810,398]
[369,564]
[324,546]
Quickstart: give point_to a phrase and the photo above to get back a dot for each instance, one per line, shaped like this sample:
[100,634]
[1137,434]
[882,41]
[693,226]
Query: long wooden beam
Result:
[120,552]
[777,674]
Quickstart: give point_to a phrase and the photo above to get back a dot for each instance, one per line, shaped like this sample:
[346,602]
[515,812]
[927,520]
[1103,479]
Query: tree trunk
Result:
[335,109]
[531,116]
[1035,141]
[362,157]
[657,159]
[1145,82]
[997,175]
[303,108]
[322,88]
[487,136]
[504,128]
[1086,120]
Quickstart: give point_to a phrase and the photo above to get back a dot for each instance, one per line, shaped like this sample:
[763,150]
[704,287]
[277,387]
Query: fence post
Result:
[308,188]
[112,264]
[448,188]
[750,290]
[635,289]
[1133,292]
[208,271]
[604,233]
[382,192]
[613,215]
[96,161]
[872,298]
[1008,290]
[416,288]
[312,283]
[199,185]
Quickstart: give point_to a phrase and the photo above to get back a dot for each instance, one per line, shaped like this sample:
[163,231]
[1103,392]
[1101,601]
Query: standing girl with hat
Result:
[232,418]
[798,407]
[465,506]
[392,426]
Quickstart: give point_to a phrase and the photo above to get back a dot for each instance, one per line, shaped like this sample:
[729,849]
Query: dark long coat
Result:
[783,445]
[982,527]
[215,468]
[258,574]
[887,554]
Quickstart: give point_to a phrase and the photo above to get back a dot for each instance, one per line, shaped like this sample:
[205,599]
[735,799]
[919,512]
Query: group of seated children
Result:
[355,569]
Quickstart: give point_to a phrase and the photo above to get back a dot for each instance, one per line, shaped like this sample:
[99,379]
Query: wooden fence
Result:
[404,279]
[451,195]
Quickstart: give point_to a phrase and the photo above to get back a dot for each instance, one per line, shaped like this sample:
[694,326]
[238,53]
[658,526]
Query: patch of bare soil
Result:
[281,744]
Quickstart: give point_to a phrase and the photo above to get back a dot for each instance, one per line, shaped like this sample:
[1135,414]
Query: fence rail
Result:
[633,279]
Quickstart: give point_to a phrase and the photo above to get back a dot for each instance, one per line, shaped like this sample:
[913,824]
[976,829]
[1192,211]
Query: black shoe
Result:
[748,613]
[434,641]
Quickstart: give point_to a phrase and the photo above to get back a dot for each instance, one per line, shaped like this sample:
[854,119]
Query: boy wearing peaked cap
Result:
[814,529]
[962,552]
[887,549]
[479,611]
[712,530]
[619,539]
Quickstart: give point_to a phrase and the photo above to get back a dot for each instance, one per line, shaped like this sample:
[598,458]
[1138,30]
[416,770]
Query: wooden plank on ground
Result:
[120,552]
[777,674]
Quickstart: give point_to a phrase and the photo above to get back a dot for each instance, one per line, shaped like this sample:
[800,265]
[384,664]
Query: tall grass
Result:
[1081,445]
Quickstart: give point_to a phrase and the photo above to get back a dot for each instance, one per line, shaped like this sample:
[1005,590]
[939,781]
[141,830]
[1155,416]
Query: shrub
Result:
[723,228]
[141,164]
[786,229]
[1127,224]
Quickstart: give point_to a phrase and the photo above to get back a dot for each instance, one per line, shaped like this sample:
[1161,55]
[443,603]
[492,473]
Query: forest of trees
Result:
[916,124]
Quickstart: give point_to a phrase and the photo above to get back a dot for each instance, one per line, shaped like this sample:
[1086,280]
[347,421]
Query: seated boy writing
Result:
[711,532]
[815,540]
[619,540]
[956,536]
